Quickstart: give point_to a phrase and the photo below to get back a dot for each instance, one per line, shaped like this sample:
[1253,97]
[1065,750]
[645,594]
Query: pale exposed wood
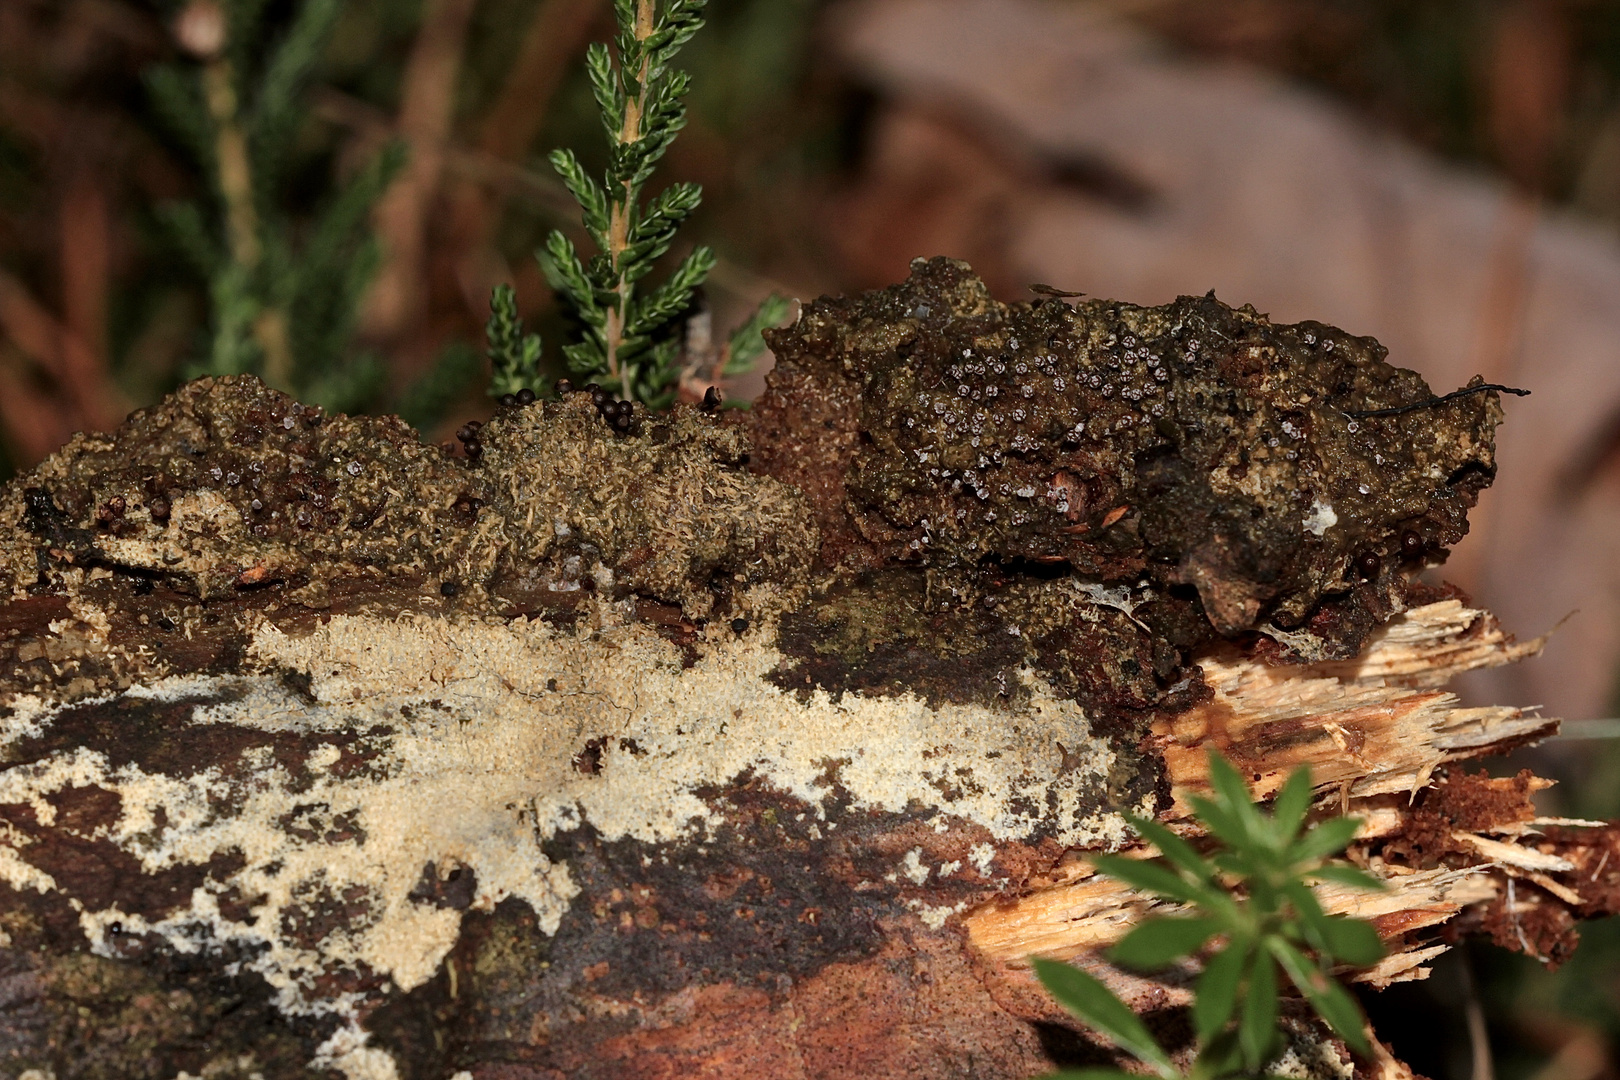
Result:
[1369,725]
[1367,728]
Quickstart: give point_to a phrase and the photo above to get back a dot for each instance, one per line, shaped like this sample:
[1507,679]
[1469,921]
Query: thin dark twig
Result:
[1442,399]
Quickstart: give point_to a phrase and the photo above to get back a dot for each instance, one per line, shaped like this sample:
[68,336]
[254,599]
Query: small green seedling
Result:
[514,355]
[631,336]
[1251,897]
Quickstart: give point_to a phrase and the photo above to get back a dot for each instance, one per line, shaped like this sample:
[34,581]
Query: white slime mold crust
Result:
[487,718]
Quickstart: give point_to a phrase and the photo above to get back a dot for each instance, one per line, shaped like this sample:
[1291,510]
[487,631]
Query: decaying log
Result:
[735,747]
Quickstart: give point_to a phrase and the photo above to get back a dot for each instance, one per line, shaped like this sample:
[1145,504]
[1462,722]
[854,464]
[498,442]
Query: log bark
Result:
[669,752]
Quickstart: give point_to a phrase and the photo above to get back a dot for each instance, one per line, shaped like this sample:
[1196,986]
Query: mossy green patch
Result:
[228,487]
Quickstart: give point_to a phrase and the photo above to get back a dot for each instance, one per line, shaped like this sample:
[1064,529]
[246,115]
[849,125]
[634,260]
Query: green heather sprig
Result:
[632,333]
[283,300]
[748,340]
[514,356]
[632,336]
[1251,897]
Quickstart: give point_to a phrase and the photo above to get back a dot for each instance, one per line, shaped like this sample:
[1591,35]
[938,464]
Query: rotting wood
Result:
[1373,740]
[690,750]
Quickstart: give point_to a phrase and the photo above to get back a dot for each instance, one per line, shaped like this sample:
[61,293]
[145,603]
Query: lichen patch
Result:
[409,770]
[542,695]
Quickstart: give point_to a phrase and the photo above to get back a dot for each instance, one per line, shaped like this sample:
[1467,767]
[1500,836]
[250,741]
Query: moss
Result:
[230,486]
[669,508]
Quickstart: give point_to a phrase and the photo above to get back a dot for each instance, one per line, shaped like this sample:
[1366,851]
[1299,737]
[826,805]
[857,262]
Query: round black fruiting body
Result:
[1413,546]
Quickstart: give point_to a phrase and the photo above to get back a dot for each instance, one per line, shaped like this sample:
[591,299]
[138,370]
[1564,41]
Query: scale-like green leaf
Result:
[1156,942]
[671,298]
[190,233]
[605,87]
[593,203]
[1094,1003]
[429,398]
[278,107]
[560,263]
[178,102]
[747,341]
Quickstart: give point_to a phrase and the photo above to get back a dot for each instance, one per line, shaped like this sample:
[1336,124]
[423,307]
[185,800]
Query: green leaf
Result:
[348,387]
[748,341]
[1353,876]
[1222,824]
[1150,877]
[1334,1004]
[514,356]
[1233,794]
[344,224]
[278,107]
[244,23]
[1257,1030]
[178,101]
[663,215]
[1172,847]
[593,204]
[1303,899]
[1156,942]
[1328,838]
[190,232]
[564,272]
[1288,812]
[1089,1074]
[585,357]
[1091,1001]
[672,297]
[605,87]
[1330,1000]
[1333,936]
[1352,940]
[1215,995]
[1221,1056]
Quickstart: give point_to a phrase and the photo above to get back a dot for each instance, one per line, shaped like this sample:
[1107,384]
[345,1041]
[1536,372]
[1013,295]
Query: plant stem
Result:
[235,174]
[241,218]
[623,209]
